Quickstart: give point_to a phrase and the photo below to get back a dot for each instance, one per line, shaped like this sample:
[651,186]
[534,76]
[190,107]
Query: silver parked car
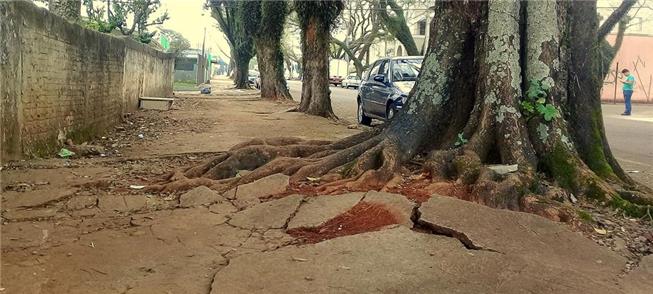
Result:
[351,81]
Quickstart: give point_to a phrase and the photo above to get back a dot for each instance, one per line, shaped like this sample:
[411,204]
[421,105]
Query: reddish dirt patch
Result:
[363,217]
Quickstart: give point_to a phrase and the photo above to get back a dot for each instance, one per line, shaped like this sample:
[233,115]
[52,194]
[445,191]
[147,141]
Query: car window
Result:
[406,69]
[374,70]
[384,68]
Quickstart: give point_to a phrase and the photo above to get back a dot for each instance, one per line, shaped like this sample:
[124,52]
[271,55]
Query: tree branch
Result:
[614,18]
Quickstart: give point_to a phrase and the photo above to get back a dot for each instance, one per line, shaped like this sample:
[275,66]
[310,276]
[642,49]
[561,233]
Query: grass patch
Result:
[631,209]
[584,215]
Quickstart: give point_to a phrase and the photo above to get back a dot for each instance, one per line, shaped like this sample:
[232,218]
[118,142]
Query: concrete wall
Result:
[59,80]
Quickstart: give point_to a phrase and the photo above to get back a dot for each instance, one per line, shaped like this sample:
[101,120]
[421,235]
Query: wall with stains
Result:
[59,80]
[635,54]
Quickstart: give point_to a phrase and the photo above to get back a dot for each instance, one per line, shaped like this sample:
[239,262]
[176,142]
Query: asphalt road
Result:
[631,138]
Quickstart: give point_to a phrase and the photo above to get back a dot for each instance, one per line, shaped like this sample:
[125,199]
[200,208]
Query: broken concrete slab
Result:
[223,206]
[397,261]
[528,236]
[268,215]
[20,215]
[26,234]
[193,227]
[199,196]
[112,203]
[397,204]
[640,280]
[248,194]
[319,209]
[136,202]
[81,202]
[34,198]
[86,212]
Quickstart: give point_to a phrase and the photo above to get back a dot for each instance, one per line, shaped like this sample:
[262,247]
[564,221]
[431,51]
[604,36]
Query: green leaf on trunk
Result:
[548,111]
[461,140]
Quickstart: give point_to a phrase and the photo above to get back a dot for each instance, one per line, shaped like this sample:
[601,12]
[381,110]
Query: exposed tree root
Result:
[487,61]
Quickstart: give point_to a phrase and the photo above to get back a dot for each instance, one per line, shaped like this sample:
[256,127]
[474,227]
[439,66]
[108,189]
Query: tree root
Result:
[297,158]
[369,161]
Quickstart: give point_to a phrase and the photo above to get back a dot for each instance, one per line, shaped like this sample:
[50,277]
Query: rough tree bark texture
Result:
[316,96]
[268,50]
[487,61]
[241,73]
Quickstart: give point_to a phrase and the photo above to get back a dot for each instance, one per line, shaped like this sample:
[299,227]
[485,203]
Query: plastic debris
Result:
[65,153]
[600,231]
[573,198]
[136,187]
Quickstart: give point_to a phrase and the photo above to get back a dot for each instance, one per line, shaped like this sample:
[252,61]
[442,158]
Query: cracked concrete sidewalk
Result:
[77,227]
[205,244]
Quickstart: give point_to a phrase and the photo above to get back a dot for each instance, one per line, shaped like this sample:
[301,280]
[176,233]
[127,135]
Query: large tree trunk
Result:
[503,82]
[316,96]
[270,65]
[272,16]
[241,74]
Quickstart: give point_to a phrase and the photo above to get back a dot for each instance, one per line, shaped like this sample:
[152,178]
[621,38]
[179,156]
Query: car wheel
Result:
[362,118]
[390,111]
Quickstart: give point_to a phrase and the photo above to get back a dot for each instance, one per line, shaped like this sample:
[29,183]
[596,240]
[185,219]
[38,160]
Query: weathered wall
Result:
[59,80]
[635,55]
[147,72]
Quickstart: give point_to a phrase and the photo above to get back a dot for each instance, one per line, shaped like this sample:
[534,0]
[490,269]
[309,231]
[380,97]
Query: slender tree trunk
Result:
[608,52]
[316,96]
[397,26]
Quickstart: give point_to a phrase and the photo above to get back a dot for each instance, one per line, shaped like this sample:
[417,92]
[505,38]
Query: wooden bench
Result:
[158,103]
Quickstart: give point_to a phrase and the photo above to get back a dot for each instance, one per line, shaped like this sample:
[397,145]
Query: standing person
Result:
[628,86]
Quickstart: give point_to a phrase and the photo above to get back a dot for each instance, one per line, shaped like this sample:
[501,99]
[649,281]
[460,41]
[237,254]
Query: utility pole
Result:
[201,62]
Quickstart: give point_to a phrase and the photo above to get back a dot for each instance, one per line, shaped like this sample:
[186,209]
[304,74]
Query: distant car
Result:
[351,81]
[257,83]
[384,88]
[252,75]
[335,80]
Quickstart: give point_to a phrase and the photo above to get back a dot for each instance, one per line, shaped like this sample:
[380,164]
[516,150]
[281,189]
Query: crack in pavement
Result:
[428,228]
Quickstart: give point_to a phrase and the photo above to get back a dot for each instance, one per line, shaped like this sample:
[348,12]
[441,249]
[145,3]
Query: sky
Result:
[189,18]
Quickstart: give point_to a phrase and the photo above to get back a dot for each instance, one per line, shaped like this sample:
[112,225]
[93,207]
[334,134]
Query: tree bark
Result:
[585,115]
[241,74]
[316,96]
[270,65]
[267,19]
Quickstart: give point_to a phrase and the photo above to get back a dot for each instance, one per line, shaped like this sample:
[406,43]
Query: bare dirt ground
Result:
[85,225]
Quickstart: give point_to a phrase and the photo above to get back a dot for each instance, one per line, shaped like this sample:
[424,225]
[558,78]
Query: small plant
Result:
[535,102]
[461,140]
[584,215]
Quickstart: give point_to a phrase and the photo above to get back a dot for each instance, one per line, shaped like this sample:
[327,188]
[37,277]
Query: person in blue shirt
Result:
[628,86]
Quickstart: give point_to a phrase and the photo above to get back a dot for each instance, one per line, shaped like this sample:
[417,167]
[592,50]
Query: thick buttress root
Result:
[367,160]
